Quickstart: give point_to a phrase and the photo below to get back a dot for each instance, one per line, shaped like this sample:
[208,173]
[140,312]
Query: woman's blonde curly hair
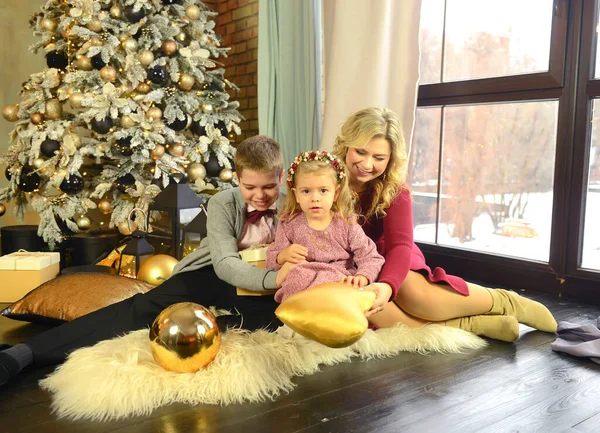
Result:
[363,126]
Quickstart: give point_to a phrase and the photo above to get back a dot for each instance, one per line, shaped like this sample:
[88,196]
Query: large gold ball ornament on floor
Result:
[185,337]
[157,269]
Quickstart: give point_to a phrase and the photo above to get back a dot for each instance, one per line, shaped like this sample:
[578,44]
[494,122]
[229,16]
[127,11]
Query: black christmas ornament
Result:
[216,86]
[72,184]
[137,34]
[97,62]
[124,182]
[157,74]
[221,127]
[171,2]
[28,181]
[178,124]
[102,126]
[56,60]
[212,166]
[124,146]
[197,129]
[7,173]
[49,147]
[134,16]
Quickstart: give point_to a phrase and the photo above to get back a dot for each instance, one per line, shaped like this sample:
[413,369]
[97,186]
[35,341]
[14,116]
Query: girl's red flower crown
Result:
[313,155]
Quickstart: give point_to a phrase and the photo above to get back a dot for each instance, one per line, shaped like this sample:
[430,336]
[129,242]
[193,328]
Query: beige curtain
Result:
[371,58]
[17,63]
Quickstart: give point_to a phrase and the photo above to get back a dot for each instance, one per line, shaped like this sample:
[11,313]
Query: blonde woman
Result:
[408,291]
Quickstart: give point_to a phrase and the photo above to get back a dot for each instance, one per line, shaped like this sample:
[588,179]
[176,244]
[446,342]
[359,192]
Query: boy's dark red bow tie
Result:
[254,216]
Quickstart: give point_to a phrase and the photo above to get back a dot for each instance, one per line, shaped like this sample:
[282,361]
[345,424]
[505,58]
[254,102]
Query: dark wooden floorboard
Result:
[523,387]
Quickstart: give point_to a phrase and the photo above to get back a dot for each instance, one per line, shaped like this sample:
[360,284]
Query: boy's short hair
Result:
[259,153]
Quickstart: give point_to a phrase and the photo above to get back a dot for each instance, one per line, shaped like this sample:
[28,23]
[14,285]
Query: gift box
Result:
[255,255]
[22,272]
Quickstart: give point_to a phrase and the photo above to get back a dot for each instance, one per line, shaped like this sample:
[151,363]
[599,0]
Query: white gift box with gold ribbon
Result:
[23,271]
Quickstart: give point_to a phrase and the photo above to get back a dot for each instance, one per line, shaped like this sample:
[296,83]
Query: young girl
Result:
[317,233]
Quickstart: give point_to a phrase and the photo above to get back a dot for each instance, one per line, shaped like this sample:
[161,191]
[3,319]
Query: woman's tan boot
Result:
[504,328]
[527,312]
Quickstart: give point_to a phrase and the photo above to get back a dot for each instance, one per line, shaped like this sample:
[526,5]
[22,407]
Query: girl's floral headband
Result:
[313,155]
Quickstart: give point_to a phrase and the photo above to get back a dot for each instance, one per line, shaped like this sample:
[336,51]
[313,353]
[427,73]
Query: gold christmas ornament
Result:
[157,152]
[37,118]
[129,44]
[84,223]
[11,112]
[157,269]
[124,228]
[154,113]
[76,99]
[108,73]
[96,41]
[124,36]
[2,209]
[146,57]
[176,150]
[207,108]
[185,337]
[94,25]
[127,122]
[84,63]
[74,139]
[183,38]
[115,11]
[48,24]
[226,175]
[143,88]
[196,171]
[186,81]
[53,109]
[69,33]
[192,12]
[37,163]
[169,47]
[104,207]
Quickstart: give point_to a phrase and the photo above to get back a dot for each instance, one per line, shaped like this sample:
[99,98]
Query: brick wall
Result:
[237,23]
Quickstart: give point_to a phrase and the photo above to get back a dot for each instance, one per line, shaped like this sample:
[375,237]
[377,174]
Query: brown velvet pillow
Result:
[68,297]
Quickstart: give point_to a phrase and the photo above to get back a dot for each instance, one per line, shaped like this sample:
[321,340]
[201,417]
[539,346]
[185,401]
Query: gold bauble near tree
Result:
[145,57]
[53,109]
[186,81]
[192,12]
[76,99]
[157,269]
[207,108]
[127,122]
[153,114]
[108,73]
[124,229]
[184,338]
[84,63]
[11,112]
[183,38]
[169,47]
[176,150]
[105,207]
[129,44]
[2,209]
[196,171]
[37,118]
[226,175]
[143,88]
[48,24]
[37,163]
[94,25]
[84,223]
[115,11]
[157,152]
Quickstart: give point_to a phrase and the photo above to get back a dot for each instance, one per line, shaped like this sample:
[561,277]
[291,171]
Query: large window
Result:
[505,162]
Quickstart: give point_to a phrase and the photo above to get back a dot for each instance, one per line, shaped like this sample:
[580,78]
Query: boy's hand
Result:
[283,273]
[295,253]
[355,280]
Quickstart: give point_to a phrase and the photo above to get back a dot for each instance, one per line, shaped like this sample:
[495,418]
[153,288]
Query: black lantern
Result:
[181,204]
[136,251]
[194,232]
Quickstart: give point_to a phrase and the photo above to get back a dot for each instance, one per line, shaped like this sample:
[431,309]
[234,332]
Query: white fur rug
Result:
[119,378]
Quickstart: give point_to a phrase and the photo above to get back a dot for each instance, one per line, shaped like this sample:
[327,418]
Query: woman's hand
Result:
[383,292]
[355,280]
[295,254]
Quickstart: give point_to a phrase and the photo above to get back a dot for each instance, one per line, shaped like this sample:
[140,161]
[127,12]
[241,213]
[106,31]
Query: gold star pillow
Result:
[331,313]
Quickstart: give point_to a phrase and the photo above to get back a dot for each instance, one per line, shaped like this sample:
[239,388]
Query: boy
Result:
[237,218]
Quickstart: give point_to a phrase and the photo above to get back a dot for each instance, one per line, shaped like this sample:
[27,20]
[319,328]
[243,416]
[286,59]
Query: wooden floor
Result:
[521,387]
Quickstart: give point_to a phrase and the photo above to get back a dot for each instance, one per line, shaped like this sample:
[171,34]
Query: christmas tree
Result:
[132,95]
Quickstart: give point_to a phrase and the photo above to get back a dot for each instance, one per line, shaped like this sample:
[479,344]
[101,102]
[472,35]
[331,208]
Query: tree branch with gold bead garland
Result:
[134,87]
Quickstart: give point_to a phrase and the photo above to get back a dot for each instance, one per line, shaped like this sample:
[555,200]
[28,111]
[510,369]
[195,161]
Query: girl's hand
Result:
[295,253]
[355,280]
[383,292]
